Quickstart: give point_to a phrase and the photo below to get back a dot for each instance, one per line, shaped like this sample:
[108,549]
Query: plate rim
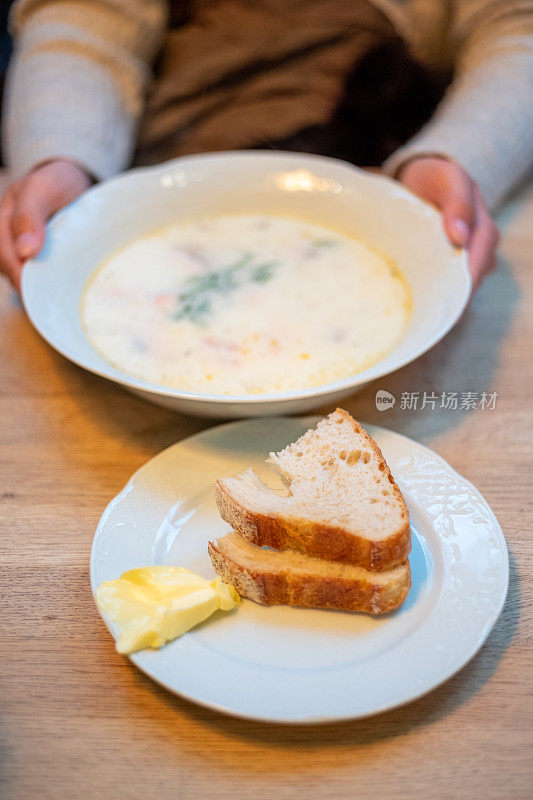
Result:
[321,719]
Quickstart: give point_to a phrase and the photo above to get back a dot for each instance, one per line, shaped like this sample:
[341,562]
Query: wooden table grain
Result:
[78,720]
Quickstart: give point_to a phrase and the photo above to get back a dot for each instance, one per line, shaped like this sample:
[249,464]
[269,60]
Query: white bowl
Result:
[325,191]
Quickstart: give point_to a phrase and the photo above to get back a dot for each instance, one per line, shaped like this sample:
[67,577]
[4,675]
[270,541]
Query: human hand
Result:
[466,220]
[27,205]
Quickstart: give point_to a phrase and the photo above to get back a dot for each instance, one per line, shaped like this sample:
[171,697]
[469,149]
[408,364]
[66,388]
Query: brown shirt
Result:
[242,74]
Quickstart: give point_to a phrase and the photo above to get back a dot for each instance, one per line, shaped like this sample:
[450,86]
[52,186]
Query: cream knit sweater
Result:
[80,70]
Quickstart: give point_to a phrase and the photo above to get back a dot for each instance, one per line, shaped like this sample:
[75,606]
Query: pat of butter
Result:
[153,605]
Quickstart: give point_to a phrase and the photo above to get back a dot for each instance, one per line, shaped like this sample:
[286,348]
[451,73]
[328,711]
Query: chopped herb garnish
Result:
[243,261]
[194,303]
[324,242]
[263,272]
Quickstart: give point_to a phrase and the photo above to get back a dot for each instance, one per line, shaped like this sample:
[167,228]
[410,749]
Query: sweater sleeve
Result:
[76,82]
[485,120]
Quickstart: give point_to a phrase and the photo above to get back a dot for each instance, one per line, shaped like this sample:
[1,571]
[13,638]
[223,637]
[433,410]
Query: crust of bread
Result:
[318,539]
[272,587]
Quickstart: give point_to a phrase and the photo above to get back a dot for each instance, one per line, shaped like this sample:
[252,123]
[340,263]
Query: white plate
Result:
[294,665]
[325,191]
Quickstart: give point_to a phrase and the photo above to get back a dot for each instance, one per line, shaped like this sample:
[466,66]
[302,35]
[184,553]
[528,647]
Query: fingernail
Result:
[26,245]
[461,231]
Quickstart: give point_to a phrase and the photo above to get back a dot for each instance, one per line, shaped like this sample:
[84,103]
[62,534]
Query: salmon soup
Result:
[245,304]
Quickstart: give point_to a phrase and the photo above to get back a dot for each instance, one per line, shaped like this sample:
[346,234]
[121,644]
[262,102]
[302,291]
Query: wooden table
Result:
[78,720]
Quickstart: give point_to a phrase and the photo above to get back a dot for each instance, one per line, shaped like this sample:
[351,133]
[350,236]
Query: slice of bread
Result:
[343,503]
[273,577]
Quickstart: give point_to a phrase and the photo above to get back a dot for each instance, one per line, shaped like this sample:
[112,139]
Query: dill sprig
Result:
[194,303]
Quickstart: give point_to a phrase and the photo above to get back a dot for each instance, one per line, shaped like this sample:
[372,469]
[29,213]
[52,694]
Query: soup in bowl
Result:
[245,304]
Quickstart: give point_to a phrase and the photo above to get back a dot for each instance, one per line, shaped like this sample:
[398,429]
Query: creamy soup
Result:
[245,304]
